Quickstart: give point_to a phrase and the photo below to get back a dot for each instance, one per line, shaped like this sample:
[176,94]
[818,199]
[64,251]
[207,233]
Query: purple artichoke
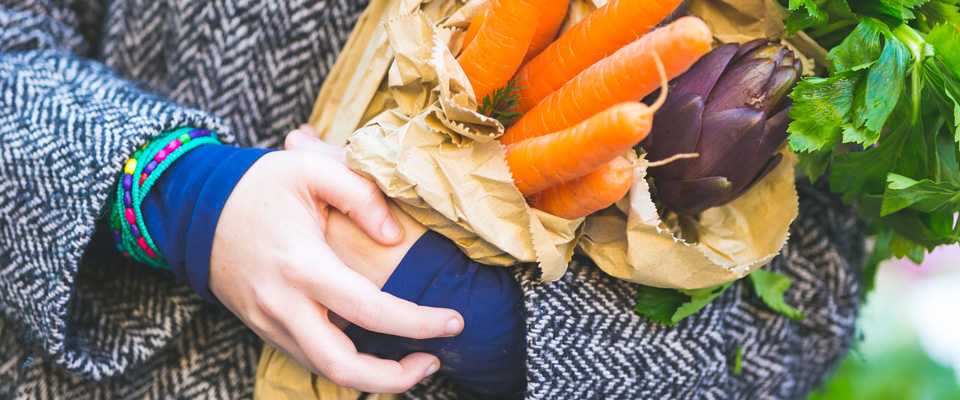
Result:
[731,108]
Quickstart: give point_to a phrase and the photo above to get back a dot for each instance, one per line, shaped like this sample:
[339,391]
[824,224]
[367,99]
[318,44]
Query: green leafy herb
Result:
[659,305]
[770,287]
[820,107]
[501,104]
[925,196]
[670,306]
[737,368]
[884,124]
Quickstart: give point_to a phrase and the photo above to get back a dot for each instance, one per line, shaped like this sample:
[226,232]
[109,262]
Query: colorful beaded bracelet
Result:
[129,229]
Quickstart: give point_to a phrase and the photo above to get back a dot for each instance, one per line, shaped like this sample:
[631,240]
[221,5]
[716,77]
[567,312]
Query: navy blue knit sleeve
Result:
[487,359]
[182,209]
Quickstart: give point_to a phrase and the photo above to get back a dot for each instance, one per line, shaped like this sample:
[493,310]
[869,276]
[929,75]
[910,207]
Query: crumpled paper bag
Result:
[740,20]
[438,159]
[282,378]
[634,243]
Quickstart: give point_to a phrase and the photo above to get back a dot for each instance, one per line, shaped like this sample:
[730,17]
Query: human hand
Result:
[374,260]
[271,265]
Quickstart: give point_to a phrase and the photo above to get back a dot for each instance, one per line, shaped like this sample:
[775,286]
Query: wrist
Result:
[169,201]
[140,174]
[357,250]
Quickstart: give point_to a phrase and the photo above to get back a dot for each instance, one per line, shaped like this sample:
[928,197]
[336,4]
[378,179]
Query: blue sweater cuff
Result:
[488,358]
[182,209]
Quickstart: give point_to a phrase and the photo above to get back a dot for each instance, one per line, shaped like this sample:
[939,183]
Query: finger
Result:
[356,299]
[354,196]
[262,322]
[304,138]
[279,338]
[334,356]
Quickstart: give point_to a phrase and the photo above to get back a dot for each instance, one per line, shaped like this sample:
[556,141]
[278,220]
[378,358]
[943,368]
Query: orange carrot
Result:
[588,194]
[494,55]
[551,16]
[600,34]
[475,23]
[545,161]
[627,75]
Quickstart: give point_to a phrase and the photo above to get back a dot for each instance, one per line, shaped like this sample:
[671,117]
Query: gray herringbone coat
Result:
[84,82]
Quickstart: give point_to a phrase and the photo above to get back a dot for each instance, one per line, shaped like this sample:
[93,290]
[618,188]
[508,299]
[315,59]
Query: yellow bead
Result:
[130,167]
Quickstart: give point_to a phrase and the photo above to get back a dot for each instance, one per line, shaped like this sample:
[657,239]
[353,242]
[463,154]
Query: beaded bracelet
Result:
[129,229]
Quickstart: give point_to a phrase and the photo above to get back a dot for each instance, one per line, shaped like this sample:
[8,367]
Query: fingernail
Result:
[454,326]
[390,229]
[432,368]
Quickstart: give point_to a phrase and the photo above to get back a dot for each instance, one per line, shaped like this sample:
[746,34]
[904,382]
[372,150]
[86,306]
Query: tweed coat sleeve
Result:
[66,125]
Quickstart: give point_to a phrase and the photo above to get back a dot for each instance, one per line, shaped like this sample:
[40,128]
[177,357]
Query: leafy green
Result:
[698,300]
[939,12]
[881,251]
[820,107]
[898,10]
[815,164]
[859,50]
[925,196]
[884,123]
[502,103]
[670,306]
[770,287]
[659,305]
[885,82]
[806,13]
[737,367]
[945,40]
[859,172]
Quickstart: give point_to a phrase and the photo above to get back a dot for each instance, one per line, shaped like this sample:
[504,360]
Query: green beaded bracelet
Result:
[137,178]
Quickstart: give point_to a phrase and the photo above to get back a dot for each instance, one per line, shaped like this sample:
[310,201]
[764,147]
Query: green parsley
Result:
[670,306]
[770,287]
[884,123]
[737,367]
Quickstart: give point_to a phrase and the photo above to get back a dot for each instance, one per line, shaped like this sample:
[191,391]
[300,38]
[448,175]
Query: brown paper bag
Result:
[437,157]
[405,111]
[636,245]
